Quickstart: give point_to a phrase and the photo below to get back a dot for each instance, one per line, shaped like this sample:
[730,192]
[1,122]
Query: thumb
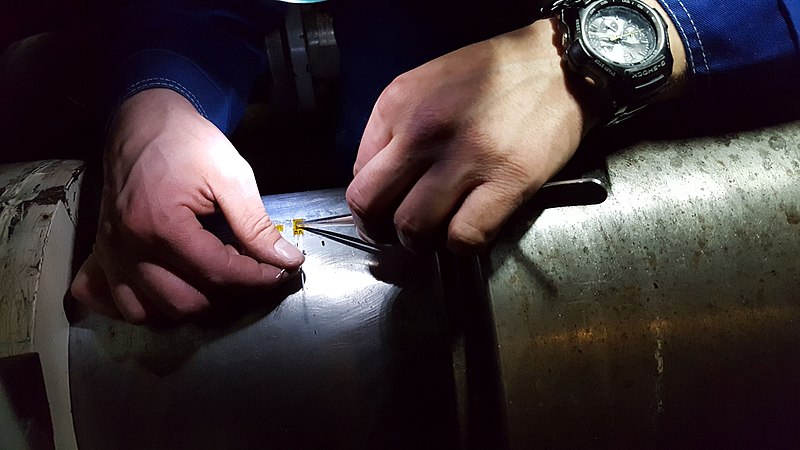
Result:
[240,203]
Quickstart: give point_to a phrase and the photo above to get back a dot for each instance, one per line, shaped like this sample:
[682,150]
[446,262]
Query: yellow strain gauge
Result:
[297,226]
[292,231]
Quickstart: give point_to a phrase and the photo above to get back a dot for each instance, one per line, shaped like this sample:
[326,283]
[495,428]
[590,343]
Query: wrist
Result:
[148,107]
[680,67]
[575,100]
[141,118]
[622,55]
[545,37]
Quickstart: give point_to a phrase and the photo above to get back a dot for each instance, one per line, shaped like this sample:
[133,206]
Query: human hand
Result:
[455,146]
[164,165]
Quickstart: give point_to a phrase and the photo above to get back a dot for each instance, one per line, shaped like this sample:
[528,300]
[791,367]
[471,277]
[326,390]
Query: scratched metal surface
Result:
[38,214]
[667,316]
[29,195]
[357,358]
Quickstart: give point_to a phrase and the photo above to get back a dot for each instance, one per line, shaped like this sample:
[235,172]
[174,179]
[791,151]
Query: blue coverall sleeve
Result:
[209,51]
[737,36]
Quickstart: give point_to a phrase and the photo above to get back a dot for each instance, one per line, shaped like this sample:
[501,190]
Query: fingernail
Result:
[404,240]
[407,243]
[377,235]
[287,251]
[360,229]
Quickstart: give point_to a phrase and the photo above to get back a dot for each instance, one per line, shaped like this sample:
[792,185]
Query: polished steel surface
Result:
[666,316]
[355,356]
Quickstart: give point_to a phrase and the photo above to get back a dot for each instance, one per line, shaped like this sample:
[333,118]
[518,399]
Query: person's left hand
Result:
[459,143]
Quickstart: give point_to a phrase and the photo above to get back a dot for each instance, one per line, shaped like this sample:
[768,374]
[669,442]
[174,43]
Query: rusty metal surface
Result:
[669,315]
[357,357]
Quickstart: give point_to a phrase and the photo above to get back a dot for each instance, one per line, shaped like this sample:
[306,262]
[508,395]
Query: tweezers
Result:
[318,226]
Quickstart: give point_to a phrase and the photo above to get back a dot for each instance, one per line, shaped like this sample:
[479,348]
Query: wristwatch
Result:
[619,47]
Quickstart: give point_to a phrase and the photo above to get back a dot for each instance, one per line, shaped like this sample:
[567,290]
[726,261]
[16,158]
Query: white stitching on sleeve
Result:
[155,82]
[682,32]
[697,33]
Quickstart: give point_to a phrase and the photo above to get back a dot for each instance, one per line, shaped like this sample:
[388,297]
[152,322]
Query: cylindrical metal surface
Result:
[669,315]
[355,357]
[666,316]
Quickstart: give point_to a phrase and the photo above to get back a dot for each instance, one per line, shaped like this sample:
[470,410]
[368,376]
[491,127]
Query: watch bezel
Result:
[627,70]
[624,88]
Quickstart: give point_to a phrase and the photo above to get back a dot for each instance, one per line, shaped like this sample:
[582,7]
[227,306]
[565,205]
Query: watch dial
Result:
[621,35]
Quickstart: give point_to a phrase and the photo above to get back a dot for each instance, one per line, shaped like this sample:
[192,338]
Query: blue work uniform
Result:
[211,51]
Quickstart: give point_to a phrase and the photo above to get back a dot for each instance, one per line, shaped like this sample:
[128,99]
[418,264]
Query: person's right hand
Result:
[164,165]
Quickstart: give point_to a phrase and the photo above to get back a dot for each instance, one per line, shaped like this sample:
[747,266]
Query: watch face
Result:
[620,35]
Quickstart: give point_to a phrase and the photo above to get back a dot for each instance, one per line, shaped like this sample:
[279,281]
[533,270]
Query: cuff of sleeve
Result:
[727,37]
[158,68]
[792,9]
[684,22]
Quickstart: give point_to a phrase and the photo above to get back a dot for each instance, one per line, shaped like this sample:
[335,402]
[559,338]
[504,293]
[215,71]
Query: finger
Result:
[171,294]
[379,188]
[481,216]
[128,302]
[240,203]
[420,220]
[200,258]
[377,135]
[90,288]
